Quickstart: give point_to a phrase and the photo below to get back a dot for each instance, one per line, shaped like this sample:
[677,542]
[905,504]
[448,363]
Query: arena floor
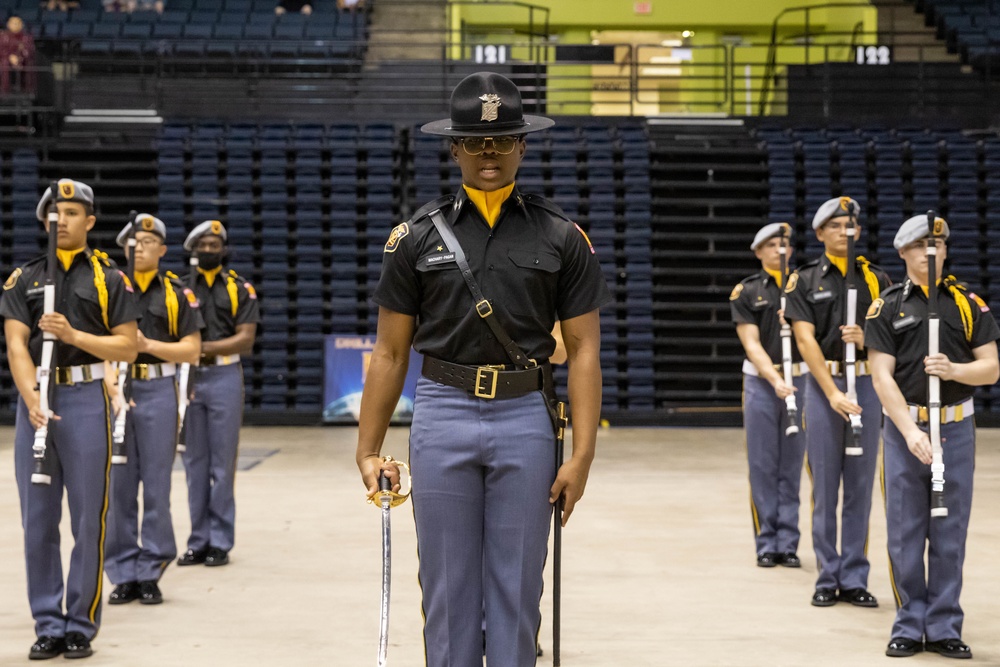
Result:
[658,568]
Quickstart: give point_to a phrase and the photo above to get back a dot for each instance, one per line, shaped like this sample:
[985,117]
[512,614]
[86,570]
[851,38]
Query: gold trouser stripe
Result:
[420,584]
[95,605]
[885,506]
[746,445]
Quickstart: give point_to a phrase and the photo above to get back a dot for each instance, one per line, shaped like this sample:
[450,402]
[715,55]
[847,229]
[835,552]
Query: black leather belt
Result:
[485,381]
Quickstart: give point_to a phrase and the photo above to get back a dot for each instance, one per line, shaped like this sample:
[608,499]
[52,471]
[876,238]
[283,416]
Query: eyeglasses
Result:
[148,242]
[501,145]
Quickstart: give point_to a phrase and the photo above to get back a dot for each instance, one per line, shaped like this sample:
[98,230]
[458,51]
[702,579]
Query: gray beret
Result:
[768,232]
[834,208]
[208,227]
[915,229]
[68,190]
[144,223]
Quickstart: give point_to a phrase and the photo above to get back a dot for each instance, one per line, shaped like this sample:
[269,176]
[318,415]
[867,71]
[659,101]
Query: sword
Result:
[853,438]
[387,499]
[938,508]
[557,540]
[46,383]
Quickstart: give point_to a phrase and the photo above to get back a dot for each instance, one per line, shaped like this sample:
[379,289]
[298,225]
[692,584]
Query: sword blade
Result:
[383,629]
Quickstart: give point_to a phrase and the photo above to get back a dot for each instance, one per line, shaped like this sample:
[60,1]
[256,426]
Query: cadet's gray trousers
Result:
[482,470]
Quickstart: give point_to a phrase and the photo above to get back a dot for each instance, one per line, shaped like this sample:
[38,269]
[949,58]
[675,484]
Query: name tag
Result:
[904,323]
[818,297]
[32,291]
[441,259]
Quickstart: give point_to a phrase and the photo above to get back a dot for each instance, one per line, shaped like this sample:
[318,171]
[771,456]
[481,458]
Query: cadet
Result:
[94,320]
[816,295]
[896,330]
[169,334]
[775,458]
[231,313]
[482,448]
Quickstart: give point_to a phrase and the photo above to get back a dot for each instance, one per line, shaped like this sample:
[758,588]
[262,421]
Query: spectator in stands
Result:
[350,5]
[300,6]
[59,5]
[17,58]
[144,6]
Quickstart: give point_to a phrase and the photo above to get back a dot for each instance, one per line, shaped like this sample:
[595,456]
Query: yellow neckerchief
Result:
[961,300]
[66,257]
[776,275]
[489,203]
[927,291]
[210,275]
[143,279]
[870,278]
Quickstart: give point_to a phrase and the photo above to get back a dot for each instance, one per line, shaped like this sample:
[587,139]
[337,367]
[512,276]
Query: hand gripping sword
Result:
[852,440]
[40,473]
[184,379]
[938,508]
[791,410]
[561,424]
[118,453]
[387,499]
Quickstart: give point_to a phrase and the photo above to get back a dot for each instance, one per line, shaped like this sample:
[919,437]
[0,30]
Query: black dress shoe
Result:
[216,557]
[950,648]
[192,557]
[789,559]
[767,559]
[77,646]
[859,597]
[46,648]
[149,593]
[824,597]
[124,593]
[903,647]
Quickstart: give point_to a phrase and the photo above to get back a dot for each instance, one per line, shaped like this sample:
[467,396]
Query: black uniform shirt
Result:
[77,297]
[898,326]
[534,266]
[817,293]
[217,304]
[756,300]
[155,322]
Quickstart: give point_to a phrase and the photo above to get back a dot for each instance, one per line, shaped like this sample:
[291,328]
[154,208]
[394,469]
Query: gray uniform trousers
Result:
[928,607]
[214,417]
[482,470]
[827,464]
[79,458]
[775,465]
[150,443]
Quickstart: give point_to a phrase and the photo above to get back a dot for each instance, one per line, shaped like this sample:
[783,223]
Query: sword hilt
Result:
[385,486]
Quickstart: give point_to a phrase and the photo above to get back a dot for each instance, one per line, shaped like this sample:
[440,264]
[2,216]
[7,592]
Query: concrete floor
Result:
[658,568]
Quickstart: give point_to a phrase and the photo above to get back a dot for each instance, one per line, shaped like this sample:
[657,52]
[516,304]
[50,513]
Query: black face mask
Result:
[209,260]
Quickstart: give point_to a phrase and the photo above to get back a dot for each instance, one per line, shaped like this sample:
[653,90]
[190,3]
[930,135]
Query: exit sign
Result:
[643,7]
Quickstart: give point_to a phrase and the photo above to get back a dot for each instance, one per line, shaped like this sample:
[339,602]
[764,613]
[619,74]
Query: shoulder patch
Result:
[586,238]
[735,294]
[127,282]
[192,299]
[972,295]
[250,289]
[875,309]
[12,280]
[395,236]
[792,283]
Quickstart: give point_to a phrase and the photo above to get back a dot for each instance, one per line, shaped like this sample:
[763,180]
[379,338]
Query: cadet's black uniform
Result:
[928,606]
[95,297]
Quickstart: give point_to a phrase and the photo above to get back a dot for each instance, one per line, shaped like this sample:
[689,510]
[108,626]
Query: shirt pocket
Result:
[443,292]
[534,278]
[154,321]
[85,312]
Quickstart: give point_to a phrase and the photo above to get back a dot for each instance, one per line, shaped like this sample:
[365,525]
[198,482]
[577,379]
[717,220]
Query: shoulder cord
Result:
[170,297]
[101,283]
[233,292]
[483,307]
[964,308]
[870,277]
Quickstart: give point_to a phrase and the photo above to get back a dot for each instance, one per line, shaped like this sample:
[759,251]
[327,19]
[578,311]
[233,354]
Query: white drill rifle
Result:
[934,231]
[852,439]
[791,410]
[46,383]
[184,379]
[119,456]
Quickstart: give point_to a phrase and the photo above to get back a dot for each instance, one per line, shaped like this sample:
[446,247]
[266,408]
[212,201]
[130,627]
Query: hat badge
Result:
[66,189]
[147,224]
[845,204]
[938,227]
[491,106]
[216,227]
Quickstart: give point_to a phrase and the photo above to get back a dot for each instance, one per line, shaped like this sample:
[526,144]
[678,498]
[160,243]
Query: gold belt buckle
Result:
[484,308]
[140,371]
[490,375]
[64,375]
[923,416]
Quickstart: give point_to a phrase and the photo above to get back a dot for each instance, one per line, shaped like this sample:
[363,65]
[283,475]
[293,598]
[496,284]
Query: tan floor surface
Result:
[658,568]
